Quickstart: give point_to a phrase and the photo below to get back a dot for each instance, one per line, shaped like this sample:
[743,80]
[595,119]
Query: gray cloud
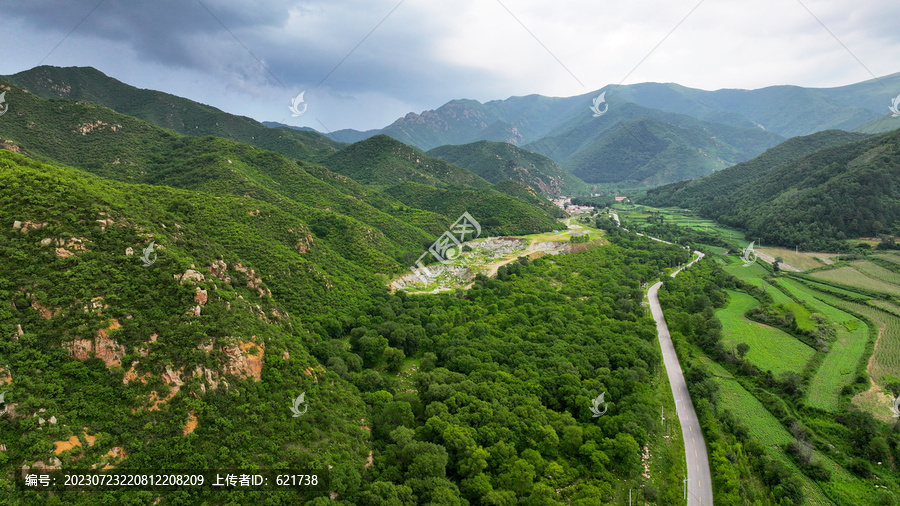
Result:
[426,53]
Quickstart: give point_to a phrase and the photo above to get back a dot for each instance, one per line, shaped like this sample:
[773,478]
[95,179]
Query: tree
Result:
[742,349]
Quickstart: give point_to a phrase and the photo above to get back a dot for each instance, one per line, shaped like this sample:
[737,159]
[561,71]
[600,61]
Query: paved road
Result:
[699,489]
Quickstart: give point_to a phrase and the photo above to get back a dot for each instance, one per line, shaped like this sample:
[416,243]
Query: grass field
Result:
[852,277]
[844,353]
[751,274]
[770,349]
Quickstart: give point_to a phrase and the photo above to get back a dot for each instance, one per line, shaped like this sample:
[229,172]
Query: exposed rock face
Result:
[218,270]
[67,248]
[245,361]
[304,243]
[253,281]
[26,226]
[200,297]
[45,313]
[101,346]
[72,442]
[191,424]
[190,275]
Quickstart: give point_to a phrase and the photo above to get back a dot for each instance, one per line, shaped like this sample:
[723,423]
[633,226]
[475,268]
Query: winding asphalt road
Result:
[699,487]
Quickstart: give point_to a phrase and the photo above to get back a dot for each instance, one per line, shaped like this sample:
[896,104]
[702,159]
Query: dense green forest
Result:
[496,161]
[811,193]
[170,111]
[478,396]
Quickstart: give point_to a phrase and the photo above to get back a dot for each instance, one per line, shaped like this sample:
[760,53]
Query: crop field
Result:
[801,260]
[778,296]
[890,257]
[751,274]
[684,218]
[768,431]
[770,349]
[846,293]
[886,306]
[853,278]
[844,353]
[876,271]
[886,359]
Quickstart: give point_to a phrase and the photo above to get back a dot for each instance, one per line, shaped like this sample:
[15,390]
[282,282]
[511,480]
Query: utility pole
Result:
[629,497]
[685,489]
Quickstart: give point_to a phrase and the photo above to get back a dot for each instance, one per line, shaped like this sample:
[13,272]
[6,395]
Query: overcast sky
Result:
[364,63]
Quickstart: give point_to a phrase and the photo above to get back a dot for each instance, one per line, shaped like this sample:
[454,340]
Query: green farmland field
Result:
[876,271]
[770,349]
[852,277]
[765,428]
[844,353]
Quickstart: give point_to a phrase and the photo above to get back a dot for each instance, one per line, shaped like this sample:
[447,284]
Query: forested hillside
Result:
[192,361]
[381,161]
[422,182]
[170,111]
[645,146]
[812,201]
[496,161]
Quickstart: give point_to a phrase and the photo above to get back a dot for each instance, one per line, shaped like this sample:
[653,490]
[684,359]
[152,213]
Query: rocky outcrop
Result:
[254,282]
[101,346]
[191,276]
[245,360]
[68,247]
[190,425]
[27,226]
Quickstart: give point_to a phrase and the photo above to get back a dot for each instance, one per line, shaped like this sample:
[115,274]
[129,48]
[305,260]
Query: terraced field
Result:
[770,349]
[844,354]
[890,257]
[876,271]
[765,428]
[751,274]
[854,278]
[886,359]
[801,260]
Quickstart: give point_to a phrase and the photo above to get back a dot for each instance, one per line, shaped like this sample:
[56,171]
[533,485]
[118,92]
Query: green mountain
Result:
[635,145]
[423,182]
[786,111]
[496,161]
[124,148]
[169,111]
[724,188]
[381,161]
[528,195]
[212,337]
[505,214]
[881,125]
[811,192]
